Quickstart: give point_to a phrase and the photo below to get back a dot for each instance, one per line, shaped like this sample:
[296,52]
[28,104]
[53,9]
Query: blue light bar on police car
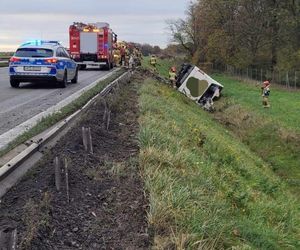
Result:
[40,42]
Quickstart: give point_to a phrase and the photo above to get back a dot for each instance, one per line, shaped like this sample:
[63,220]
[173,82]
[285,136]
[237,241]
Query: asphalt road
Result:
[19,105]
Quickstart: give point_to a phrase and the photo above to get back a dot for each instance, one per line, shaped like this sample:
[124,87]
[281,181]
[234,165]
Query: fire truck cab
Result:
[92,44]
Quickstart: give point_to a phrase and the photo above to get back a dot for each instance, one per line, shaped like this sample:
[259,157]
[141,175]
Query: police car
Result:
[40,61]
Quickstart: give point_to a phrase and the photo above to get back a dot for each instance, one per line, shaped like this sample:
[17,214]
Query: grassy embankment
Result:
[273,134]
[163,65]
[207,190]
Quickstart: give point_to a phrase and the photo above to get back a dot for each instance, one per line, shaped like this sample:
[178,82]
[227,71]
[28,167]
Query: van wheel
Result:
[64,82]
[14,83]
[75,79]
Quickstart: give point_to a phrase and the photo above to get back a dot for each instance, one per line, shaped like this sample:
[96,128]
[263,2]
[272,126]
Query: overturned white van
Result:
[198,86]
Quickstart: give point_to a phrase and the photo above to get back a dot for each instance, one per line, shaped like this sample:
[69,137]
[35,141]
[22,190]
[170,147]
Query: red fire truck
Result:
[92,44]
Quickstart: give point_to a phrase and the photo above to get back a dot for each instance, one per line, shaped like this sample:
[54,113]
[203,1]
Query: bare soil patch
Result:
[107,208]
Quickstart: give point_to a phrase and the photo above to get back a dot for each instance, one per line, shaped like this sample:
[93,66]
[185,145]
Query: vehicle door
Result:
[71,65]
[61,65]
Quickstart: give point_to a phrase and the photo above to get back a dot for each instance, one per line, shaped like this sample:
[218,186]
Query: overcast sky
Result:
[142,21]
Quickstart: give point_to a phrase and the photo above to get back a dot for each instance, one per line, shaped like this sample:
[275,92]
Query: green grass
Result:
[3,65]
[207,190]
[163,65]
[49,121]
[272,133]
[285,105]
[4,56]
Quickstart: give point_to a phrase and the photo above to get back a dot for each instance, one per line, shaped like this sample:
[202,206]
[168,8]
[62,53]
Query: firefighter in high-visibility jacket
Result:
[153,62]
[265,94]
[172,77]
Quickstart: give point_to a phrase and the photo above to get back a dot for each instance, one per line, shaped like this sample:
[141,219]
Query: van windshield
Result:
[34,52]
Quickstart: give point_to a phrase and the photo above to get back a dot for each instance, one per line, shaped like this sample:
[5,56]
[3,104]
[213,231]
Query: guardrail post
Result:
[67,179]
[84,139]
[90,143]
[108,120]
[87,140]
[8,240]
[57,169]
[105,110]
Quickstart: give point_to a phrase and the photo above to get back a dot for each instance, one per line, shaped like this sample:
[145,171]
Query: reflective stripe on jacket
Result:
[152,60]
[172,75]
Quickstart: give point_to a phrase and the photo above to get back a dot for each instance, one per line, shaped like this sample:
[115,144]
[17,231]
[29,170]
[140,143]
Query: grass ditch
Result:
[273,133]
[50,120]
[207,190]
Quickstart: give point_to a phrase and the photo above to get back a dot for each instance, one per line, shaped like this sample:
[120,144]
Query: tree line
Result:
[241,33]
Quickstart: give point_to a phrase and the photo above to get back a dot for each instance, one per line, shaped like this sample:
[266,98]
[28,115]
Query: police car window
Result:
[59,52]
[34,52]
[66,53]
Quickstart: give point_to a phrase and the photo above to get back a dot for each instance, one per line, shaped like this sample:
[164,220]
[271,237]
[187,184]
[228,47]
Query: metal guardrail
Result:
[10,166]
[13,133]
[8,233]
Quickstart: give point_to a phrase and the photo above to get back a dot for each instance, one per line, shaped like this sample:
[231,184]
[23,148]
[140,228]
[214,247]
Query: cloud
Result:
[133,20]
[90,7]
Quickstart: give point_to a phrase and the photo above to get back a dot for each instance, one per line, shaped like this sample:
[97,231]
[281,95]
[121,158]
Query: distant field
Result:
[6,53]
[3,64]
[4,56]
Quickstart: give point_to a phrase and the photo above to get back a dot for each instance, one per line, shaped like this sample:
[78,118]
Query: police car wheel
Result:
[82,67]
[14,83]
[75,79]
[107,67]
[64,82]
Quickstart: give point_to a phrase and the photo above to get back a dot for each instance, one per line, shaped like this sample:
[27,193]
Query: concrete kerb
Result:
[12,134]
[7,168]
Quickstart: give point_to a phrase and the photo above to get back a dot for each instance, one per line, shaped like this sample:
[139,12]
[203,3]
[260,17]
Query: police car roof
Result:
[41,44]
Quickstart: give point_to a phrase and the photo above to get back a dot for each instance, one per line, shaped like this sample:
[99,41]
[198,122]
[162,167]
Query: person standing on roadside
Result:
[172,76]
[265,94]
[153,62]
[131,63]
[122,54]
[127,55]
